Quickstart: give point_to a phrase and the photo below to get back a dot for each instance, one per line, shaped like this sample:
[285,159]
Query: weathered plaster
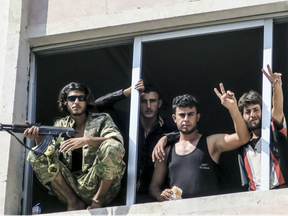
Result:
[122,20]
[14,61]
[248,203]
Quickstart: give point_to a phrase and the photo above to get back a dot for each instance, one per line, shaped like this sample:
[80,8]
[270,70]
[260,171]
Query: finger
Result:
[269,69]
[222,88]
[27,122]
[26,132]
[162,151]
[265,73]
[279,75]
[230,94]
[157,155]
[153,157]
[217,92]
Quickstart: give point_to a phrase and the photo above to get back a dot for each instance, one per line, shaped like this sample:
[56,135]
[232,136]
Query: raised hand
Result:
[140,86]
[274,78]
[227,98]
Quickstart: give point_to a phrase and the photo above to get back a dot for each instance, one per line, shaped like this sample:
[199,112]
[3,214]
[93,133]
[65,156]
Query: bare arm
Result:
[158,179]
[225,142]
[168,138]
[277,99]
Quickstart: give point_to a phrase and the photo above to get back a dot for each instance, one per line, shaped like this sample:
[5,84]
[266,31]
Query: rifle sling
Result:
[11,133]
[23,144]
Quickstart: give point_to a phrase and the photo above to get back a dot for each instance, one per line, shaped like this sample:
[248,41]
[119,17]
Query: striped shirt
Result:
[250,162]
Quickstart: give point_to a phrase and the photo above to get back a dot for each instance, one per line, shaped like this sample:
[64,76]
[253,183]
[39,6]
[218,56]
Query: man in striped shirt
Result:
[250,106]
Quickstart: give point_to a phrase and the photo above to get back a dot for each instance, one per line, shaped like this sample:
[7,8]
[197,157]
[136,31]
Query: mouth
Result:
[148,111]
[253,121]
[185,126]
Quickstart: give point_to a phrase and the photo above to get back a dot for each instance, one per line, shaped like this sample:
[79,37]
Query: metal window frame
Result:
[134,107]
[136,74]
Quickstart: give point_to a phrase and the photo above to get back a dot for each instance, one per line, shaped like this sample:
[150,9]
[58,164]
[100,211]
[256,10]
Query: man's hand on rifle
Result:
[33,134]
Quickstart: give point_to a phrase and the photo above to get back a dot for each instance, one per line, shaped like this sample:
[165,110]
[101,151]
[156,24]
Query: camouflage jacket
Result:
[97,125]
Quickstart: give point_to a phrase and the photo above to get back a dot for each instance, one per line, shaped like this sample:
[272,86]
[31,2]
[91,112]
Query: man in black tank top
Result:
[191,162]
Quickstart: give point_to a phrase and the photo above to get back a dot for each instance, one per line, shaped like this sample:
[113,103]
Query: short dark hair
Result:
[185,100]
[151,88]
[248,98]
[73,86]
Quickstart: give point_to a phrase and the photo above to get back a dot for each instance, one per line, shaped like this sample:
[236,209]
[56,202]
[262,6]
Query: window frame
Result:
[135,102]
[266,92]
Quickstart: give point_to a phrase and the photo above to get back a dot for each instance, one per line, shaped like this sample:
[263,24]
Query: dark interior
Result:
[193,65]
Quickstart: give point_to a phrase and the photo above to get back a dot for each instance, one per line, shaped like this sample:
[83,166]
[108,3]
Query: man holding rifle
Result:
[85,170]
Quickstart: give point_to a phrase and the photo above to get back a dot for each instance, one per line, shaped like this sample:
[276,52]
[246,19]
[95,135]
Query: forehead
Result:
[252,106]
[185,109]
[150,95]
[75,93]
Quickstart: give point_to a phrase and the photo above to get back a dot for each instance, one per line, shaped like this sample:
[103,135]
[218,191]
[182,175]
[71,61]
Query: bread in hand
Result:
[177,193]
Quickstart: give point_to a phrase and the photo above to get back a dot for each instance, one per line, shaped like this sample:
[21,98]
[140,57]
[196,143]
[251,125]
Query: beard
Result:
[187,131]
[78,114]
[254,126]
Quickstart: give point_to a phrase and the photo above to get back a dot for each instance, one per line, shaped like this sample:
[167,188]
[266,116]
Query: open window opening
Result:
[103,70]
[193,65]
[196,65]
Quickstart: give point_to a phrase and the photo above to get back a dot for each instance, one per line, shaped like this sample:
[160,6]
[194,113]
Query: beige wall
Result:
[73,20]
[14,62]
[53,21]
[273,202]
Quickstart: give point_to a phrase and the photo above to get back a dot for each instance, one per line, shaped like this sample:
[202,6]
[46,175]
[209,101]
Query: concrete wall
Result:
[14,63]
[272,202]
[37,23]
[73,20]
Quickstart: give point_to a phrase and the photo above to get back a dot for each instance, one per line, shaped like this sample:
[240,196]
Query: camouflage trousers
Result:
[85,183]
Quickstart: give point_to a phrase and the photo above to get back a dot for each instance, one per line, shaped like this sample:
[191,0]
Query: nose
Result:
[186,117]
[252,114]
[76,101]
[148,105]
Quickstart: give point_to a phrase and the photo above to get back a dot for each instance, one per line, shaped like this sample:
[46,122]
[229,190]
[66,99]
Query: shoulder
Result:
[99,115]
[63,122]
[100,118]
[213,139]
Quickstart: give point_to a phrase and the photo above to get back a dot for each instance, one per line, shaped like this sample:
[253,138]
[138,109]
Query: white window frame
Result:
[134,107]
[266,93]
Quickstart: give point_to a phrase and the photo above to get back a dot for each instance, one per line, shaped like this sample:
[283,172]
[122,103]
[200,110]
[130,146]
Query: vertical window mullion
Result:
[134,124]
[266,105]
[28,174]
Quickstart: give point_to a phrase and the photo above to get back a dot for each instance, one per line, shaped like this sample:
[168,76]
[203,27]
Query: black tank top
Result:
[195,173]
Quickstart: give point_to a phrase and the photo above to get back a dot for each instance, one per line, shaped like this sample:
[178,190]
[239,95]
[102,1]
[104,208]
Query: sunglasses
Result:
[74,97]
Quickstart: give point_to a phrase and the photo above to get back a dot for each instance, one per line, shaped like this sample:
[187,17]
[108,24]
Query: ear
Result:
[159,103]
[174,117]
[198,117]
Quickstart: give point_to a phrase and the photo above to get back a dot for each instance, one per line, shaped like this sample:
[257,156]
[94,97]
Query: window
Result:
[189,61]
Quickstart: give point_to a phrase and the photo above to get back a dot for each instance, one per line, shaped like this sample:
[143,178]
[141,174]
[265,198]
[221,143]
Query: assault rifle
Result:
[48,133]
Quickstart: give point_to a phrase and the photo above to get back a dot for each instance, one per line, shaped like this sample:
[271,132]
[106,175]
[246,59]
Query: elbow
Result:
[245,139]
